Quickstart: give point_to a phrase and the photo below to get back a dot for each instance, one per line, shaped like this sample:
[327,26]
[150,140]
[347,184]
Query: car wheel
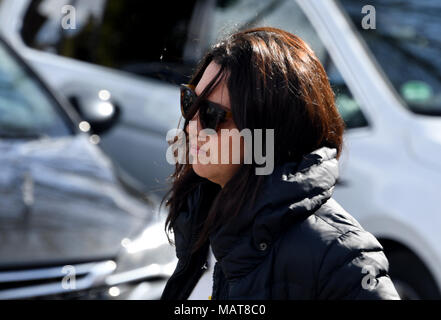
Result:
[411,277]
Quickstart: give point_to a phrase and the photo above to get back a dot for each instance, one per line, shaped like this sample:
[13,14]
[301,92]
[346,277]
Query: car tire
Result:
[411,277]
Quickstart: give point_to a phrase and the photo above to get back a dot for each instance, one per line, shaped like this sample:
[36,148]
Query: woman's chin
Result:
[202,170]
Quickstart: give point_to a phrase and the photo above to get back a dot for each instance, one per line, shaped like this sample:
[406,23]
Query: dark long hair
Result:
[275,81]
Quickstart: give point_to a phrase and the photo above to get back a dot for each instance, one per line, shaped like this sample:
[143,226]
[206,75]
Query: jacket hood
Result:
[293,192]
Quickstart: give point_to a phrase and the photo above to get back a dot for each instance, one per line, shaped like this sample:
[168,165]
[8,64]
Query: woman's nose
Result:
[195,119]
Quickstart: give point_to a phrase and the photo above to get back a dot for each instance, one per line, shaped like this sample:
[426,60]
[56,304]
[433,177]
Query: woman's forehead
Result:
[220,92]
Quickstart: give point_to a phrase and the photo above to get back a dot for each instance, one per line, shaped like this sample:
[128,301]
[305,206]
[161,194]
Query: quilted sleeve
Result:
[354,267]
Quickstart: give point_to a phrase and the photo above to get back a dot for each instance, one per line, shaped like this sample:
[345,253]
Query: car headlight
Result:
[149,256]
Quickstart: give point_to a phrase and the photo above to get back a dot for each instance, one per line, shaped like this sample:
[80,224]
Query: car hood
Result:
[60,202]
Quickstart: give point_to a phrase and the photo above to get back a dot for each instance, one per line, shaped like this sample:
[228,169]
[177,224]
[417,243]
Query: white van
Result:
[386,74]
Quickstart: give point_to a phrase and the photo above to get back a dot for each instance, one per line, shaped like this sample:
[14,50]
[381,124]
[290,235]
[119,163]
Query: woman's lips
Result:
[194,149]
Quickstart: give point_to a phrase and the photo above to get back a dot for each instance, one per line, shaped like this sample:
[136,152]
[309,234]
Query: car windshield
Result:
[26,109]
[406,43]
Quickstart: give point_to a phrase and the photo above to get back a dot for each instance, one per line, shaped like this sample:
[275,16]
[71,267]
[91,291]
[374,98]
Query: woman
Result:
[278,235]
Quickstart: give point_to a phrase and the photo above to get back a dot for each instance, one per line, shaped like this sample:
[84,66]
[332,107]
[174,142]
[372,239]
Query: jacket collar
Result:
[192,216]
[290,194]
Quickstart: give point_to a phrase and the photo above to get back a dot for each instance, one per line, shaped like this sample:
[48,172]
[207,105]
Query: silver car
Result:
[71,226]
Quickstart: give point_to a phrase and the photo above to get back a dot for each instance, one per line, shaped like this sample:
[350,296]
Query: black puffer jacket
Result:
[296,243]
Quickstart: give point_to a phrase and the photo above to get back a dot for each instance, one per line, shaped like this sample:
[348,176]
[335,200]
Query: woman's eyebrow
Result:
[216,103]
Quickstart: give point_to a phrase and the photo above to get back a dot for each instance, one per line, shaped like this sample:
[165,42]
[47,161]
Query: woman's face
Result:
[217,169]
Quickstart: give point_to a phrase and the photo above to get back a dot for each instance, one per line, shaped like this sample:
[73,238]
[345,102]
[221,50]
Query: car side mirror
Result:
[98,109]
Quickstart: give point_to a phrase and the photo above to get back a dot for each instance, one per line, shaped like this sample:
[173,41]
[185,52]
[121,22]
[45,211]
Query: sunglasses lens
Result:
[210,115]
[187,100]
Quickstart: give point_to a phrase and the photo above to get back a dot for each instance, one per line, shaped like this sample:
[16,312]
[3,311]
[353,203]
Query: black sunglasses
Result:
[211,114]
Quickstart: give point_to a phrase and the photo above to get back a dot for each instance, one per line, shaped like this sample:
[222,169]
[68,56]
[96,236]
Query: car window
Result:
[347,105]
[25,108]
[406,43]
[131,35]
[232,15]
